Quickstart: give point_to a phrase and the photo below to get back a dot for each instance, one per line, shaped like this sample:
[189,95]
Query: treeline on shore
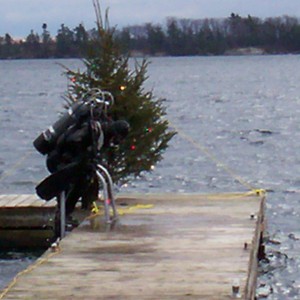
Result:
[178,37]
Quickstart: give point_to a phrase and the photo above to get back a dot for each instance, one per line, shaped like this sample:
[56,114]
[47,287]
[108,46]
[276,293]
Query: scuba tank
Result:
[96,98]
[46,141]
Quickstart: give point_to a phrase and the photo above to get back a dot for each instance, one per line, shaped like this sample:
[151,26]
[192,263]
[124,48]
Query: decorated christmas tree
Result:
[106,68]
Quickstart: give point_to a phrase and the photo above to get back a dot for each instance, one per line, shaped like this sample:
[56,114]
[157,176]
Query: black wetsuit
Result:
[73,159]
[77,149]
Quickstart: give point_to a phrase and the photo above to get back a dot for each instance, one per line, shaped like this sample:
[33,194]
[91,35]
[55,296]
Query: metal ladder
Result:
[108,197]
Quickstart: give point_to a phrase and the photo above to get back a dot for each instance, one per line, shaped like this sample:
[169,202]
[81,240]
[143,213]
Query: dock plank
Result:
[7,199]
[38,202]
[181,247]
[25,200]
[50,203]
[18,200]
[32,200]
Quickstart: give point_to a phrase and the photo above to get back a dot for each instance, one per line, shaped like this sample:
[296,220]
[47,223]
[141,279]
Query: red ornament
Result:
[132,147]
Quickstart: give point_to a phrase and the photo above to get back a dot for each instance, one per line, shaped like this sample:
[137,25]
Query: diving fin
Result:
[57,182]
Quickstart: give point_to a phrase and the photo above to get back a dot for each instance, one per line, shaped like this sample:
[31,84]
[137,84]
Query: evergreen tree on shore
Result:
[179,37]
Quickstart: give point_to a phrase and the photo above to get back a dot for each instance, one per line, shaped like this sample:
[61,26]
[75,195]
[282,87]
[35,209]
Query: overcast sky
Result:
[18,17]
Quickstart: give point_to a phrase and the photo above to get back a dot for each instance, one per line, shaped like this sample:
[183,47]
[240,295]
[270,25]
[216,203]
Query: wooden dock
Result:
[26,221]
[162,247]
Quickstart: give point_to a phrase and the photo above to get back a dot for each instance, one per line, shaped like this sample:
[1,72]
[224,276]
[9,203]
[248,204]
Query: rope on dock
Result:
[97,211]
[12,170]
[197,145]
[38,262]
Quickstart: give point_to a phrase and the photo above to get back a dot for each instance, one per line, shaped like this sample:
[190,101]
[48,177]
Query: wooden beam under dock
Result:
[163,247]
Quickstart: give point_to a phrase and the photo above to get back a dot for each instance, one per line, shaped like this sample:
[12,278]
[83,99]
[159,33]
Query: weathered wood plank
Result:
[38,202]
[26,217]
[18,200]
[29,201]
[26,200]
[7,199]
[50,203]
[180,247]
[256,249]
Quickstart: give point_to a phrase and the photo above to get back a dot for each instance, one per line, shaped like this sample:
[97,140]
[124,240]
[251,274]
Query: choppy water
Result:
[242,110]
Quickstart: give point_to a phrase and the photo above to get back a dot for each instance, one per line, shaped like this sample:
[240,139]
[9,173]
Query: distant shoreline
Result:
[251,51]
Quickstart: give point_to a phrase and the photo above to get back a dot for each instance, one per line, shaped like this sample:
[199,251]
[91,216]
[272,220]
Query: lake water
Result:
[241,112]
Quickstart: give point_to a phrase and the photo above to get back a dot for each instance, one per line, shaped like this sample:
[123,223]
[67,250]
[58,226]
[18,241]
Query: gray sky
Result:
[18,17]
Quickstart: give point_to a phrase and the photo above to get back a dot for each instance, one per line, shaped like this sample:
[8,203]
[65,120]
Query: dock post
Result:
[62,212]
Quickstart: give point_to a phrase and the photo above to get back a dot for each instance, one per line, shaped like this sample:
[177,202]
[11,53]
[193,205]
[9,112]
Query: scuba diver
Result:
[73,146]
